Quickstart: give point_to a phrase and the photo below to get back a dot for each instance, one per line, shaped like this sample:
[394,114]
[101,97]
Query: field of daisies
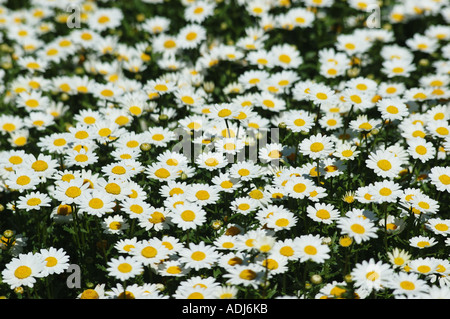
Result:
[224,149]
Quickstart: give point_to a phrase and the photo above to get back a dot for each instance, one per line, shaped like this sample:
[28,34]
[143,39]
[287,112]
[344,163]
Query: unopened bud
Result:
[183,176]
[18,290]
[217,224]
[208,86]
[145,147]
[8,233]
[316,279]
[348,278]
[424,62]
[163,117]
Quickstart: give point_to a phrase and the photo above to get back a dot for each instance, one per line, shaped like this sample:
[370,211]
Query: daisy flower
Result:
[269,101]
[105,18]
[225,242]
[311,247]
[281,220]
[425,266]
[384,164]
[244,205]
[385,191]
[226,292]
[299,187]
[10,123]
[190,36]
[288,248]
[173,244]
[245,275]
[211,160]
[229,146]
[22,179]
[439,226]
[160,136]
[275,264]
[188,216]
[271,152]
[323,213]
[70,192]
[392,109]
[331,122]
[124,169]
[202,194]
[397,68]
[81,157]
[56,260]
[151,251]
[172,268]
[399,258]
[260,58]
[133,291]
[321,94]
[440,177]
[115,225]
[153,218]
[439,128]
[23,270]
[199,11]
[134,207]
[371,275]
[363,124]
[96,202]
[124,246]
[317,146]
[422,242]
[346,151]
[124,268]
[245,170]
[34,200]
[161,172]
[98,292]
[199,256]
[299,120]
[406,284]
[357,228]
[419,148]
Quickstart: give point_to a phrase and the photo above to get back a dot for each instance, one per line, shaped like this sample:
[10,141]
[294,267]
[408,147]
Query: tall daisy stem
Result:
[385,226]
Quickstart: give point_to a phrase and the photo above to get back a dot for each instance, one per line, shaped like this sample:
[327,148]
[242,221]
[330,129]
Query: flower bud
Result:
[145,147]
[316,279]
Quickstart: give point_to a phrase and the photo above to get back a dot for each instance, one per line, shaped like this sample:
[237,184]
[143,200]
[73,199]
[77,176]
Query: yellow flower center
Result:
[372,276]
[358,229]
[310,250]
[247,274]
[51,261]
[34,201]
[323,214]
[22,272]
[316,147]
[149,252]
[113,188]
[188,215]
[73,191]
[96,203]
[385,191]
[202,195]
[162,173]
[198,255]
[384,165]
[89,294]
